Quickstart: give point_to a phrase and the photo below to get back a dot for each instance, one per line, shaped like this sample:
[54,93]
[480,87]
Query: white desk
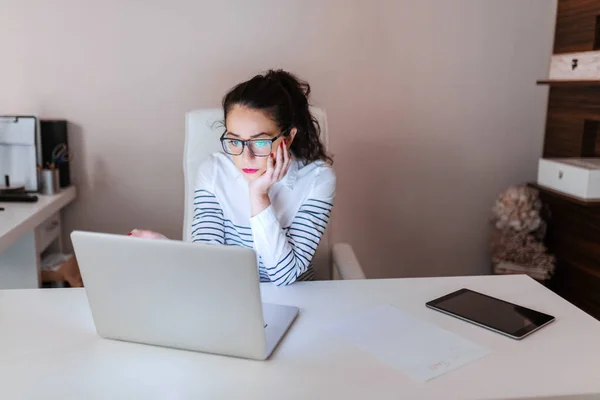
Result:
[26,231]
[50,349]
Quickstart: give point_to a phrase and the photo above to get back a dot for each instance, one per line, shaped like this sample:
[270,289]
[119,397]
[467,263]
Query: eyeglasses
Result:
[258,147]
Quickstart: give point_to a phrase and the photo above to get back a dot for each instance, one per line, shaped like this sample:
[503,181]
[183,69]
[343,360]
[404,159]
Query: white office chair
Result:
[203,129]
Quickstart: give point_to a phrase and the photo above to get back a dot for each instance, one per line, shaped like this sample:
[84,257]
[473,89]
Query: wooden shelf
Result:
[569,83]
[565,197]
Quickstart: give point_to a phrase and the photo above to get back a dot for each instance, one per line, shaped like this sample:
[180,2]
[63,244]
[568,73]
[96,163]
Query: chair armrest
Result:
[345,264]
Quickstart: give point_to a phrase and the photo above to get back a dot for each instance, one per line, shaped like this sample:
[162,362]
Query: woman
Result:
[272,188]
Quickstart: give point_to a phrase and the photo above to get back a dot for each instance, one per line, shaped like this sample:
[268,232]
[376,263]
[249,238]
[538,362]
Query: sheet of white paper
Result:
[417,348]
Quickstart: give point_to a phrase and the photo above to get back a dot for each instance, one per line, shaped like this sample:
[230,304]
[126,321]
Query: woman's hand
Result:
[142,233]
[277,166]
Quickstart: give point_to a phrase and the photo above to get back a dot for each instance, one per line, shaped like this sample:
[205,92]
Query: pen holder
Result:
[50,181]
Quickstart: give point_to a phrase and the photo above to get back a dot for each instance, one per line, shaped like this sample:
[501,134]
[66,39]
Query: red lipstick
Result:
[250,170]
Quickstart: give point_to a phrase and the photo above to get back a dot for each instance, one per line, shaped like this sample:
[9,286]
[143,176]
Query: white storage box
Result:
[579,177]
[575,66]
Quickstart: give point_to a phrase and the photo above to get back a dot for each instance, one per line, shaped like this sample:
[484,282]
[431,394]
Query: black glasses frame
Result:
[246,143]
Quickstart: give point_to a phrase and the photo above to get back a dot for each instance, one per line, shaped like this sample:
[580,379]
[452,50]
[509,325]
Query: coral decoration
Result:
[519,230]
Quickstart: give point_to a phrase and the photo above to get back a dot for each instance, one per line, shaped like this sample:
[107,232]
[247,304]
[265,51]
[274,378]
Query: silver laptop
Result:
[170,293]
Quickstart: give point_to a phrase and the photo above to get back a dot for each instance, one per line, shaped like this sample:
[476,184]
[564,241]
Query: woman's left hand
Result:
[277,166]
[146,234]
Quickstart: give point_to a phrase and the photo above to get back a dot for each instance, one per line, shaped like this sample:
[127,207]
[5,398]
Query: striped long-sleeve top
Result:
[285,235]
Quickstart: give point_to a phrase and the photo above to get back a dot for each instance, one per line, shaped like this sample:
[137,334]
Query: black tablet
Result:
[489,312]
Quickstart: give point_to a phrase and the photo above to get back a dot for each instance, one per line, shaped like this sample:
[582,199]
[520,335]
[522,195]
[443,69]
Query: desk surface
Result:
[20,218]
[50,349]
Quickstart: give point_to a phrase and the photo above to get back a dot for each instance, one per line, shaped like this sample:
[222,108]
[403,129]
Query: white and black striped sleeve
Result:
[287,253]
[208,224]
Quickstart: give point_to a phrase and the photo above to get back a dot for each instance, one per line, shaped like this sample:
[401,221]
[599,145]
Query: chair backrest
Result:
[203,129]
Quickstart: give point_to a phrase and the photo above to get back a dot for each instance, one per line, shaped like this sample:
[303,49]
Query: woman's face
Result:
[244,123]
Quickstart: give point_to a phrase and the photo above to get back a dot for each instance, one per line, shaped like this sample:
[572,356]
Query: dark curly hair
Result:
[285,99]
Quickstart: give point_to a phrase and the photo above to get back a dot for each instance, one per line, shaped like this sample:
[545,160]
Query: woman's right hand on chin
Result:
[146,234]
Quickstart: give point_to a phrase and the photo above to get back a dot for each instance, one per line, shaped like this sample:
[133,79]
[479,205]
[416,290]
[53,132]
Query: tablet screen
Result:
[491,312]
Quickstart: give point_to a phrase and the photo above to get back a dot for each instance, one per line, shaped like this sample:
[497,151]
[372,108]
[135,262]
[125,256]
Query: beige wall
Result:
[432,106]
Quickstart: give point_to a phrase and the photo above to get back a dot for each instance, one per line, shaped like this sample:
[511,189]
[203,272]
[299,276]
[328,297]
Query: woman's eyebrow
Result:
[260,134]
[253,136]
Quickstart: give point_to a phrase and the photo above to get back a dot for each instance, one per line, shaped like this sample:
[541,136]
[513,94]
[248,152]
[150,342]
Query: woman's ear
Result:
[290,137]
